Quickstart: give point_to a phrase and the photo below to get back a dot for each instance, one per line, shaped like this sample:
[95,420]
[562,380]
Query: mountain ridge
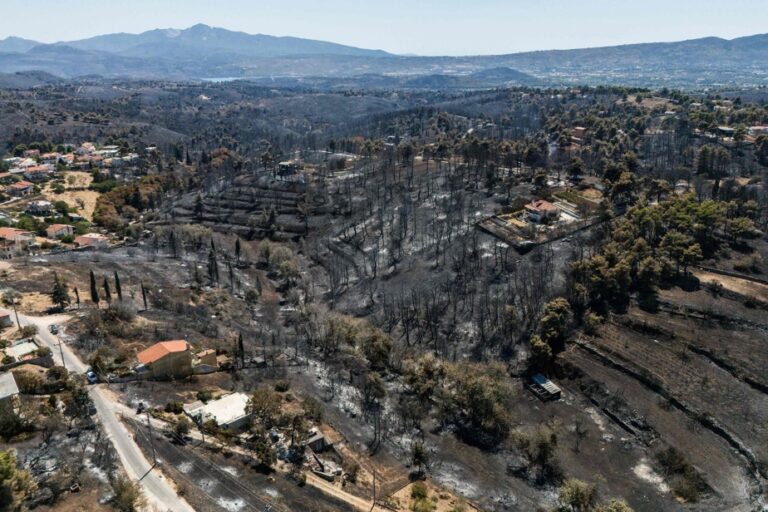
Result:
[201,52]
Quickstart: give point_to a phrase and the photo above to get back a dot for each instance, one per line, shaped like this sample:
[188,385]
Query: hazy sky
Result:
[427,27]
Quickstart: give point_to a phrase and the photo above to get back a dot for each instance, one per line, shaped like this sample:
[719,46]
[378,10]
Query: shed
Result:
[544,388]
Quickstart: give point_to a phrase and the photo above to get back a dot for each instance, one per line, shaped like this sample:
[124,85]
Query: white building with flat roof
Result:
[229,411]
[8,387]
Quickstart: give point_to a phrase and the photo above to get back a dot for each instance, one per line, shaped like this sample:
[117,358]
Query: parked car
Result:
[54,328]
[91,377]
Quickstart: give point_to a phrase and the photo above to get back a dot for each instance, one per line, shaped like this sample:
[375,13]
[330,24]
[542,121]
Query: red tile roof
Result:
[541,205]
[21,184]
[11,233]
[160,350]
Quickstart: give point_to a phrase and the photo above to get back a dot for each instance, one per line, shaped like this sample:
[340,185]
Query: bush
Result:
[28,331]
[591,322]
[174,407]
[119,311]
[420,501]
[182,427]
[128,497]
[419,491]
[351,469]
[282,386]
[204,395]
[685,481]
[715,288]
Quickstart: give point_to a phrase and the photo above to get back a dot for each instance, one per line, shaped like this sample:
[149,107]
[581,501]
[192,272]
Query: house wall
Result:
[174,365]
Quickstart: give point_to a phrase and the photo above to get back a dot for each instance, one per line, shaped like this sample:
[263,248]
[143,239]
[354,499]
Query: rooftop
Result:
[160,350]
[12,233]
[541,205]
[225,410]
[21,349]
[8,385]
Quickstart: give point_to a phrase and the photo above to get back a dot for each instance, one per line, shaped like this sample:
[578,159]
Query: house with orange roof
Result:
[13,241]
[55,231]
[20,189]
[38,173]
[167,359]
[94,240]
[541,211]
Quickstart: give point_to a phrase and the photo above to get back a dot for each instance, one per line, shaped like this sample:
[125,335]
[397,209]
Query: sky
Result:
[423,27]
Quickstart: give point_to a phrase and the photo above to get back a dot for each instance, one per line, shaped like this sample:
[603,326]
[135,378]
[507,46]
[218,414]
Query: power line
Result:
[224,475]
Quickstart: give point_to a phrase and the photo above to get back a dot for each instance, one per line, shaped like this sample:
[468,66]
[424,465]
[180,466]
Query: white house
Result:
[229,411]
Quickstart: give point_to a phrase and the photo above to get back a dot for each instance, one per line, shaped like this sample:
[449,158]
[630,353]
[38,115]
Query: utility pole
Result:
[61,351]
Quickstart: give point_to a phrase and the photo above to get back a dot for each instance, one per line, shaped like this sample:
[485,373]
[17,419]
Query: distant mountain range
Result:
[203,52]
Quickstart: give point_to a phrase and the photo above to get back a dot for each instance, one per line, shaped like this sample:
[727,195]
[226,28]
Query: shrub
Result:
[28,331]
[685,481]
[174,407]
[204,395]
[282,386]
[715,288]
[128,497]
[419,491]
[591,322]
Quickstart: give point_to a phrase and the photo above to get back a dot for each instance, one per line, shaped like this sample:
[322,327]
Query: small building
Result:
[167,359]
[16,235]
[317,442]
[5,319]
[22,350]
[207,357]
[579,132]
[86,148]
[9,391]
[544,388]
[541,211]
[14,241]
[726,130]
[55,231]
[287,168]
[758,130]
[94,240]
[50,158]
[20,189]
[39,208]
[38,173]
[228,411]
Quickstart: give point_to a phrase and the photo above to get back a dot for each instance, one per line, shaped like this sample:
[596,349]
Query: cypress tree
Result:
[118,288]
[241,349]
[144,296]
[94,290]
[107,291]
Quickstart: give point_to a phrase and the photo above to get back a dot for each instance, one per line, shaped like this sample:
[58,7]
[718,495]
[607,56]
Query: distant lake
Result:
[223,79]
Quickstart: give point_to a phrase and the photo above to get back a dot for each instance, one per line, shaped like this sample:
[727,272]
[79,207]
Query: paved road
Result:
[160,494]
